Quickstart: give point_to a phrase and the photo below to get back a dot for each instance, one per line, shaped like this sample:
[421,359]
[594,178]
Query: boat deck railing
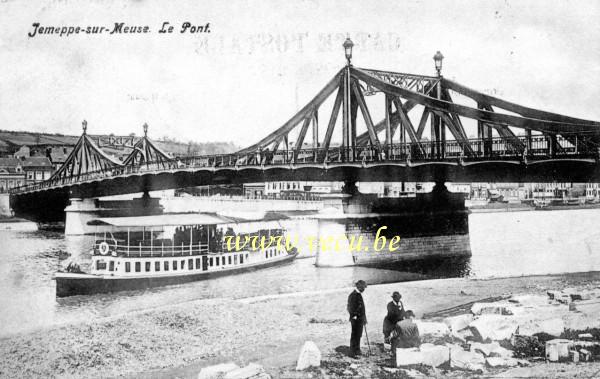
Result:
[161,250]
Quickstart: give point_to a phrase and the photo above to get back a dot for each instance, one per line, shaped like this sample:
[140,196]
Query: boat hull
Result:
[68,284]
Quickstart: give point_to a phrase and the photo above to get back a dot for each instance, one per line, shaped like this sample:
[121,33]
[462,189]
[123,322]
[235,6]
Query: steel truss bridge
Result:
[420,135]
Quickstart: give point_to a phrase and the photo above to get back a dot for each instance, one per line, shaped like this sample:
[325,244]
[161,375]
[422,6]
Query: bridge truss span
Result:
[377,126]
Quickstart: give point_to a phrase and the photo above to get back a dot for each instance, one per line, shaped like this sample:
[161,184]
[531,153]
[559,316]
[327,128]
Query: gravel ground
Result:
[176,341]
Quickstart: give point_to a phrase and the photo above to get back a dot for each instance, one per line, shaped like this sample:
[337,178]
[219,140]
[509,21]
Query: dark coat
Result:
[395,313]
[356,307]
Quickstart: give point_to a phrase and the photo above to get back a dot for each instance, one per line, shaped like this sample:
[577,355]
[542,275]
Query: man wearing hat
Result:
[358,317]
[395,313]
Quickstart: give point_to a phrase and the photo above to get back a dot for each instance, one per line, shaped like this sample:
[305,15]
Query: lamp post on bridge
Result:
[437,127]
[348,44]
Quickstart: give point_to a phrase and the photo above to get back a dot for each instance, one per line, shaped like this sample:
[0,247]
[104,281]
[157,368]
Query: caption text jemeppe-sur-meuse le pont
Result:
[118,28]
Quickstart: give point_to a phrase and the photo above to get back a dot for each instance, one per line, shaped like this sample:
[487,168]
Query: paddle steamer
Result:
[141,252]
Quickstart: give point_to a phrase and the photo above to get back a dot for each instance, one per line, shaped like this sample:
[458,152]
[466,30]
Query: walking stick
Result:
[368,343]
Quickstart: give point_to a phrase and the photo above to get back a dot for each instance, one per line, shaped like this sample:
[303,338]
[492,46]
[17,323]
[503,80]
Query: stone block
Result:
[499,308]
[494,327]
[406,357]
[253,369]
[491,349]
[554,327]
[437,329]
[435,355]
[466,360]
[457,323]
[216,371]
[558,350]
[585,355]
[529,300]
[310,356]
[501,362]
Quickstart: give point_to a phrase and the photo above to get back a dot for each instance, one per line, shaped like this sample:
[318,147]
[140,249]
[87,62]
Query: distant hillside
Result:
[10,141]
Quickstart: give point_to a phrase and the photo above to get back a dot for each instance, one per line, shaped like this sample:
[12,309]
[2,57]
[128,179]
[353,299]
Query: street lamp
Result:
[348,49]
[438,58]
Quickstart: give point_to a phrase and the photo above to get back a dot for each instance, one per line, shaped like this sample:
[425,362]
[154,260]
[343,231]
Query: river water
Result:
[502,245]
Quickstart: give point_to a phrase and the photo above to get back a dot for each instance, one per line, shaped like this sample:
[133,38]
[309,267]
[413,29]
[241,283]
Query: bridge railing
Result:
[521,147]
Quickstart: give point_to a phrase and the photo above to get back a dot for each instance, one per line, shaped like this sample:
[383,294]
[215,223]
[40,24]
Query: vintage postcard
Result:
[300,189]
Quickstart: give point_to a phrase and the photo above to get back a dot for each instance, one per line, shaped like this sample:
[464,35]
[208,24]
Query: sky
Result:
[263,60]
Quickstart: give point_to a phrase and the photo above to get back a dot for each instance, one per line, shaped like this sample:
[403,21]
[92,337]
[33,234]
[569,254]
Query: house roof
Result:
[37,162]
[10,164]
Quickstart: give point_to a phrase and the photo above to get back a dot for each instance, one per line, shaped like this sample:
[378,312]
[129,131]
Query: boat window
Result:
[166,265]
[182,264]
[127,266]
[100,265]
[230,259]
[197,263]
[210,262]
[242,259]
[246,257]
[235,259]
[138,266]
[111,266]
[157,266]
[148,266]
[174,265]
[266,254]
[190,264]
[218,260]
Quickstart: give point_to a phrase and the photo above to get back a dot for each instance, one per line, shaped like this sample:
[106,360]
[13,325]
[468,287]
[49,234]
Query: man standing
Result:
[358,317]
[395,313]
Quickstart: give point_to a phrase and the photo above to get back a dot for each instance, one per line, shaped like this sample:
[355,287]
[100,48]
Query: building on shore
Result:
[15,172]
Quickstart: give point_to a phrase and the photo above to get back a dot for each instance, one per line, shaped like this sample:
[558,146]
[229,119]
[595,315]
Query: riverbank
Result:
[179,340]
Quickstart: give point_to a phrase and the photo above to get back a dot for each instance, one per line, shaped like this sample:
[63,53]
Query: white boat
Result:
[149,251]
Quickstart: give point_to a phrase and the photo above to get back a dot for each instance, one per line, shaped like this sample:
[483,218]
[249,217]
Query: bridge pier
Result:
[77,215]
[82,210]
[432,227]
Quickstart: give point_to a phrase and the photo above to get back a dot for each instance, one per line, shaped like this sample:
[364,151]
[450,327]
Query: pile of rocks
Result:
[501,333]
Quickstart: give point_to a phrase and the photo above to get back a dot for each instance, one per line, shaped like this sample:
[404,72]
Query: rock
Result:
[574,356]
[253,369]
[558,349]
[529,300]
[585,355]
[501,362]
[217,371]
[310,356]
[434,355]
[500,308]
[457,323]
[554,327]
[436,329]
[406,357]
[583,321]
[553,295]
[466,360]
[493,327]
[491,349]
[464,335]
